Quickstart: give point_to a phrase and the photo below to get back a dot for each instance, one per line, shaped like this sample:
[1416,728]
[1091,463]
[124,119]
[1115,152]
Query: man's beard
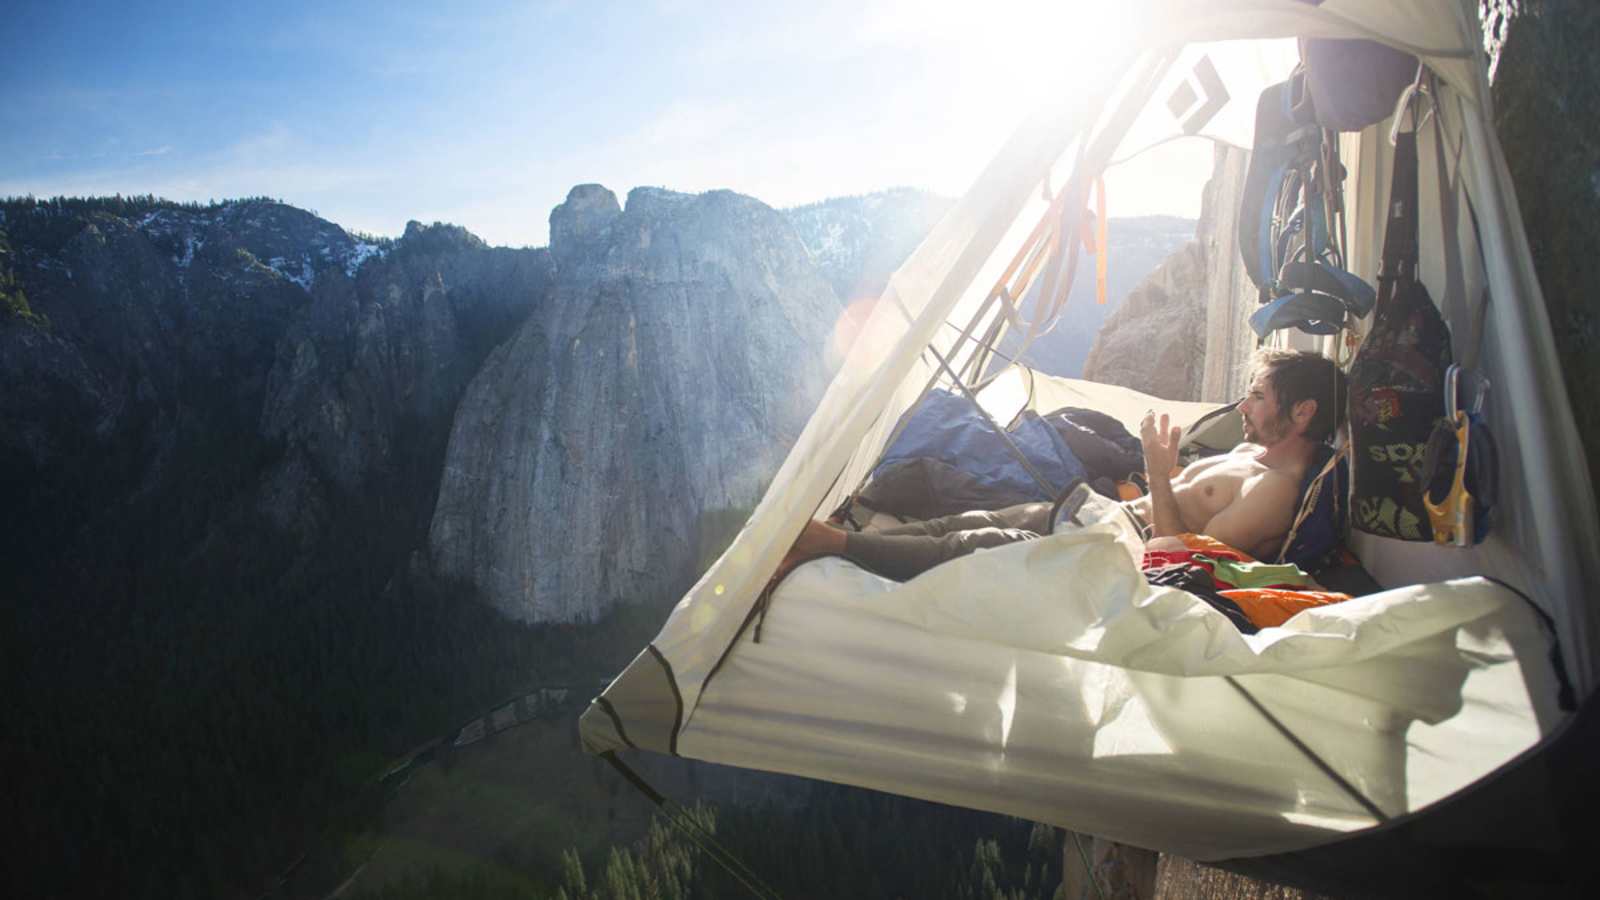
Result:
[1267,433]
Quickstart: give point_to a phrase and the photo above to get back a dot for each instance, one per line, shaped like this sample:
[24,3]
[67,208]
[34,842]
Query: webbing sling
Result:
[1102,245]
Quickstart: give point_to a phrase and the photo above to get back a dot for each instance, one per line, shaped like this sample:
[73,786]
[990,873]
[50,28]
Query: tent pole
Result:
[1309,754]
[1051,491]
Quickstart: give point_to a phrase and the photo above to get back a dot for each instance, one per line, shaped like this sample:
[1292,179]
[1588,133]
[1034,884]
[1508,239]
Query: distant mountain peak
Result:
[859,241]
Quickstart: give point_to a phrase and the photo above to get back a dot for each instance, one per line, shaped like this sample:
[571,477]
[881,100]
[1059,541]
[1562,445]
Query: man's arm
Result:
[1260,517]
[1160,456]
[1165,518]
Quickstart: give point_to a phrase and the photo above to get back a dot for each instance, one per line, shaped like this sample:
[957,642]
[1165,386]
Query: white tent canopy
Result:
[1047,679]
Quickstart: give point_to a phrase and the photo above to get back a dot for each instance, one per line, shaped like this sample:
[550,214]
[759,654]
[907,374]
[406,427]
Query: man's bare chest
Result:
[1207,487]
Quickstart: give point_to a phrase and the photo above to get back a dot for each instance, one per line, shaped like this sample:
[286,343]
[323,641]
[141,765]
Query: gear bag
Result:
[1354,83]
[1288,209]
[1397,379]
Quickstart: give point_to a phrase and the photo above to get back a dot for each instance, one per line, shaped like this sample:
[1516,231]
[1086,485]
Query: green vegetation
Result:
[47,225]
[12,297]
[379,241]
[201,697]
[843,843]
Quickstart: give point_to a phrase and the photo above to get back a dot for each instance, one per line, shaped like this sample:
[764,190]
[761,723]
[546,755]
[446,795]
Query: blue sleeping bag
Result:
[949,459]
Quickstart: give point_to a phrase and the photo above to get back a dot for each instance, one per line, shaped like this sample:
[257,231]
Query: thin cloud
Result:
[272,143]
[162,150]
[690,124]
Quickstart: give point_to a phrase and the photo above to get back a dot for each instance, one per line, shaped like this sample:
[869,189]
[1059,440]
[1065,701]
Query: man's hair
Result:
[1297,375]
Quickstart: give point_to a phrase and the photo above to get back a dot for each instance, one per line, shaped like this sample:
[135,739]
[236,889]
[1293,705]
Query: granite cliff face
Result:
[1138,245]
[1183,332]
[246,382]
[364,386]
[187,370]
[1546,90]
[678,355]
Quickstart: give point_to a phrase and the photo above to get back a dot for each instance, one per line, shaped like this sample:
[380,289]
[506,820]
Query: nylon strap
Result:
[1102,251]
[1400,233]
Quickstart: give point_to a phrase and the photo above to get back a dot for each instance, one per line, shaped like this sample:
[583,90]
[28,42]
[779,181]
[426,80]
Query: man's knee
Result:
[964,542]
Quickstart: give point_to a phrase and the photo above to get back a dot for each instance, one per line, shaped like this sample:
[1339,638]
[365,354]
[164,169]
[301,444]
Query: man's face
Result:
[1264,422]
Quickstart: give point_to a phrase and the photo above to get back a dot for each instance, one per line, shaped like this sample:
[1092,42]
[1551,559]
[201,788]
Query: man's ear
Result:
[1304,412]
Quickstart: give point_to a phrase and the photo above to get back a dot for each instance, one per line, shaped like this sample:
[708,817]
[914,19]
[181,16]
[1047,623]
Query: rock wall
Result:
[1138,246]
[363,387]
[1183,332]
[677,357]
[1547,112]
[185,382]
[197,385]
[1155,341]
[1231,294]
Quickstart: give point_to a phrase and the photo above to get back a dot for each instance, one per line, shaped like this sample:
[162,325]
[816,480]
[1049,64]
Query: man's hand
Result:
[1160,455]
[1160,446]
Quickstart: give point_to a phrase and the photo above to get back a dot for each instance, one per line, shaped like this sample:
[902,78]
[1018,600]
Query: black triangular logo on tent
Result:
[1198,97]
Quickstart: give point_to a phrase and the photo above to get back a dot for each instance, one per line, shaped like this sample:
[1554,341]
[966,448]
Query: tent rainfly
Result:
[1047,679]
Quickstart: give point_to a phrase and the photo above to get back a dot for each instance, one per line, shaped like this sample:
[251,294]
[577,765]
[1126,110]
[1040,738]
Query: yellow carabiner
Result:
[1452,519]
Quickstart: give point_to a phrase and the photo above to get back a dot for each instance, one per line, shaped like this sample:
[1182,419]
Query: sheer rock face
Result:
[151,319]
[1546,90]
[1183,333]
[222,362]
[209,382]
[678,355]
[364,386]
[1155,341]
[581,223]
[1138,246]
[150,371]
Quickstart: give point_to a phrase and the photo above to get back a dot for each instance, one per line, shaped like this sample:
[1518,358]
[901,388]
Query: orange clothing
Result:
[1202,542]
[1269,607]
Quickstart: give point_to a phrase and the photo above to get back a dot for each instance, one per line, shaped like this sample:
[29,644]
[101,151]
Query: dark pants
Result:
[906,551]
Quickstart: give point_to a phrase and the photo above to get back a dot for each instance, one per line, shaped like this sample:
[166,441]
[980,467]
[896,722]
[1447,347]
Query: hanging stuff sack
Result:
[1397,380]
[1354,83]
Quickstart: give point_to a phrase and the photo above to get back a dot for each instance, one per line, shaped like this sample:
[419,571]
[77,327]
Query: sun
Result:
[1007,57]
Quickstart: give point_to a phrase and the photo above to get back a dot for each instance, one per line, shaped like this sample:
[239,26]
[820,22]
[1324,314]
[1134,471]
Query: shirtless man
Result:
[1244,498]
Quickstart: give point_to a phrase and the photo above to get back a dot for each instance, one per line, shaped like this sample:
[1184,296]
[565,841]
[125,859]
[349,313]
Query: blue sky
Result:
[486,114]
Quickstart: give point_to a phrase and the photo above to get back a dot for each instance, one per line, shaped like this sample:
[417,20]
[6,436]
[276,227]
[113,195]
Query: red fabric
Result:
[1209,551]
[1157,558]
